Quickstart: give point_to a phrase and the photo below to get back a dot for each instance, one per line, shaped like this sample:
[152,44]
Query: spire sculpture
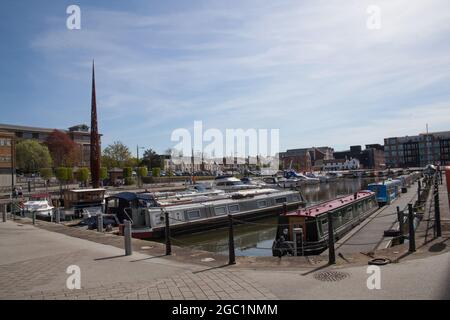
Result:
[95,145]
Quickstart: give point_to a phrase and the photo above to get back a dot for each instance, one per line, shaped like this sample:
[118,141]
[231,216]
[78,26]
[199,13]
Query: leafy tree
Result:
[127,172]
[151,159]
[32,156]
[64,151]
[69,174]
[46,173]
[116,155]
[61,174]
[103,173]
[156,172]
[83,175]
[142,171]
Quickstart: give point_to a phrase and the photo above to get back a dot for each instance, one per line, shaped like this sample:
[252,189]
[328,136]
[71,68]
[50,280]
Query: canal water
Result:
[255,238]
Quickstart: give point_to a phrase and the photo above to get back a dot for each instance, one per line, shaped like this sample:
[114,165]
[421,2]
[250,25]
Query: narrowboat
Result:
[407,180]
[148,219]
[386,191]
[305,231]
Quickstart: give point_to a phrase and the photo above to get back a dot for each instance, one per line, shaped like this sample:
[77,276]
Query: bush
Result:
[129,181]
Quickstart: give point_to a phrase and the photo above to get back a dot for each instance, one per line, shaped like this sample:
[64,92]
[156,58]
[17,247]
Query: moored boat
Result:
[305,231]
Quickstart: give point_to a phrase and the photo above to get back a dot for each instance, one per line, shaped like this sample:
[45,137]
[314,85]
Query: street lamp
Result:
[137,168]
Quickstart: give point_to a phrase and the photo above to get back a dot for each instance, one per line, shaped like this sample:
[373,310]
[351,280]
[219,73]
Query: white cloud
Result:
[310,68]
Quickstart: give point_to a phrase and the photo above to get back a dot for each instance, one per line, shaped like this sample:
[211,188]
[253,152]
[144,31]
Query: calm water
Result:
[255,239]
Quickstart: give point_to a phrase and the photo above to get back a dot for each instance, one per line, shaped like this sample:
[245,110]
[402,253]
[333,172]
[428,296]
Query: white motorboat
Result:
[229,183]
[39,203]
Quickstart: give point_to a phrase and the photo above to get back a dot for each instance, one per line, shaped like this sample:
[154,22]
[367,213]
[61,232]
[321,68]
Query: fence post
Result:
[412,239]
[437,211]
[167,231]
[231,253]
[331,253]
[400,223]
[100,222]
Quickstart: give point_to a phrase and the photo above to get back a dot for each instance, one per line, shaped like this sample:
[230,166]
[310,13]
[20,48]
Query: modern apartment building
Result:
[418,151]
[7,158]
[80,134]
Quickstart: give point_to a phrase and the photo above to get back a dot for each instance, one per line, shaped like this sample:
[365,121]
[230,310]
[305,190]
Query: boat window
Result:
[193,214]
[233,208]
[281,200]
[324,226]
[347,215]
[218,211]
[221,183]
[262,203]
[360,206]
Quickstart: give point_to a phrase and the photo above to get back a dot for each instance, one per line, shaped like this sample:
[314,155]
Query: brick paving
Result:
[34,264]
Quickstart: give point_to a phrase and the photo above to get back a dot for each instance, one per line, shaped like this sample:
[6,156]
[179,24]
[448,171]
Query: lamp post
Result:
[137,169]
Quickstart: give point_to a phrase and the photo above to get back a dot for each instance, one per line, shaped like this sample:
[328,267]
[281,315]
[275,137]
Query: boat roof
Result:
[331,205]
[384,182]
[130,196]
[87,190]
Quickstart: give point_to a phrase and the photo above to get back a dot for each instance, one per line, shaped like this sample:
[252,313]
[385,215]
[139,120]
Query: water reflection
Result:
[255,239]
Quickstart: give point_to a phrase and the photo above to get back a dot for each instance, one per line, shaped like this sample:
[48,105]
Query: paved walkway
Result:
[34,263]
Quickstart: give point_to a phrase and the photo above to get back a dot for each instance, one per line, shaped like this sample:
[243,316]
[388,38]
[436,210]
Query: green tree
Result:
[151,159]
[61,174]
[103,173]
[116,155]
[70,174]
[46,173]
[127,172]
[156,172]
[32,156]
[83,175]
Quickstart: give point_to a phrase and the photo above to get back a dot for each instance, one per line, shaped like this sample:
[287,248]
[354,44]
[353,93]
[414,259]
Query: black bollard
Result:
[231,254]
[412,239]
[331,253]
[400,223]
[437,213]
[167,232]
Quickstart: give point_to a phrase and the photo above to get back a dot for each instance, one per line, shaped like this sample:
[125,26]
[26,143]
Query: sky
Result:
[312,69]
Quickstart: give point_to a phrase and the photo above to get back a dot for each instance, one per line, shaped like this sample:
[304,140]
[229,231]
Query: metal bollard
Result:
[4,213]
[167,233]
[400,223]
[231,253]
[100,222]
[331,253]
[58,216]
[419,187]
[437,213]
[127,237]
[34,217]
[412,239]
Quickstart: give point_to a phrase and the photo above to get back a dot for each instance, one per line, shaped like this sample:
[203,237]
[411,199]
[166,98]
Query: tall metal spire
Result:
[95,144]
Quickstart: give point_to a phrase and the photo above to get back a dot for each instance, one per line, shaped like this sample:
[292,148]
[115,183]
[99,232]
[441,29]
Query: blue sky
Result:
[309,68]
